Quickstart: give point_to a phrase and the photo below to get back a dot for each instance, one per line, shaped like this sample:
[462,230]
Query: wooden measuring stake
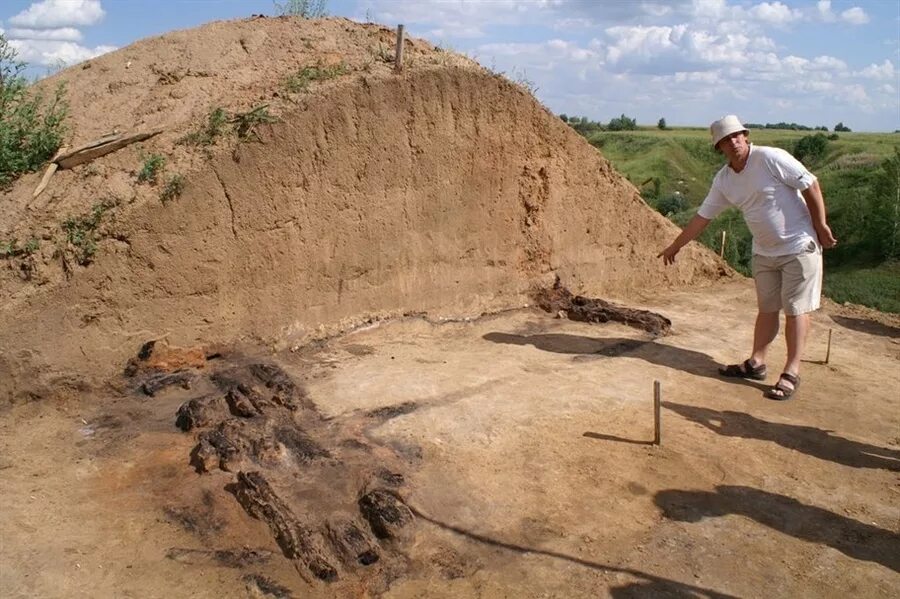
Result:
[722,248]
[656,404]
[828,351]
[398,57]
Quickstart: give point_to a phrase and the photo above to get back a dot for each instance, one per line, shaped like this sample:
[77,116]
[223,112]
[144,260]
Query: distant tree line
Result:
[585,126]
[795,127]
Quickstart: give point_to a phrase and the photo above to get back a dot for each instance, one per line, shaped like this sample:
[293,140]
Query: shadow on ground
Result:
[686,360]
[867,326]
[649,585]
[789,516]
[805,439]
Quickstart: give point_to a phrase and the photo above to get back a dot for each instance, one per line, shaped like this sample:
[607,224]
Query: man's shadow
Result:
[686,360]
[805,439]
[789,516]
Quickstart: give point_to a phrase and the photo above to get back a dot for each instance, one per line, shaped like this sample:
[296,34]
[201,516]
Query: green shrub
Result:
[81,232]
[31,129]
[811,148]
[307,9]
[670,204]
[884,208]
[153,164]
[172,189]
[622,123]
[245,123]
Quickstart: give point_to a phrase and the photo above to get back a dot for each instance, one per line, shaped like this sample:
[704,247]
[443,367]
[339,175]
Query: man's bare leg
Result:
[796,329]
[764,334]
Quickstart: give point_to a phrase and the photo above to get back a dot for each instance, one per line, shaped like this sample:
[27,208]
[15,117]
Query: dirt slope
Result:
[446,190]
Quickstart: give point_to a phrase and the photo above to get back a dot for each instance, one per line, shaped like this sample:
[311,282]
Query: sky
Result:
[812,62]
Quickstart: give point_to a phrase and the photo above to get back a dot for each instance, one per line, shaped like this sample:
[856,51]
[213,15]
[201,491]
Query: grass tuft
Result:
[82,232]
[149,172]
[207,136]
[299,81]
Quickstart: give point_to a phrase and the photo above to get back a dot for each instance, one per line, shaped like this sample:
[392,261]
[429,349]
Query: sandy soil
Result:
[524,442]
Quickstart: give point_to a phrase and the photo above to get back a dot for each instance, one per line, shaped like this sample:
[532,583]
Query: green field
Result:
[860,178]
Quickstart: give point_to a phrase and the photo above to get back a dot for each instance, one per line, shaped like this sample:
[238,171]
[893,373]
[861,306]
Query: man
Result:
[784,210]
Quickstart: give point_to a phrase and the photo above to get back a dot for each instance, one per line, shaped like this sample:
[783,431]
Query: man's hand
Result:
[690,232]
[826,237]
[668,254]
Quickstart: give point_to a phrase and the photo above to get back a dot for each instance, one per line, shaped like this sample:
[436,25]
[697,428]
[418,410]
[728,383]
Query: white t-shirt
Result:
[767,192]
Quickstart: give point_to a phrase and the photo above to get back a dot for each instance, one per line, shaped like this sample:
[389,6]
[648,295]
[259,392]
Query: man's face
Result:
[735,146]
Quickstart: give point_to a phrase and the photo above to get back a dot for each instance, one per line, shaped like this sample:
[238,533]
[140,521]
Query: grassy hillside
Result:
[859,174]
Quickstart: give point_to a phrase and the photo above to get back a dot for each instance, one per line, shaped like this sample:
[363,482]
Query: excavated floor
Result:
[507,456]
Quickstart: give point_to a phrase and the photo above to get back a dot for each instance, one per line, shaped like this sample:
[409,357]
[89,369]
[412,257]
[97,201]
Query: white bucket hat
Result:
[724,127]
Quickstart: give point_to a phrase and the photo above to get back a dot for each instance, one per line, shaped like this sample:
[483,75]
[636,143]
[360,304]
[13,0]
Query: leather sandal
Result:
[744,371]
[780,391]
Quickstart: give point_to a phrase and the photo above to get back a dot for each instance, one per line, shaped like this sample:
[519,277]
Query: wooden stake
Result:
[656,403]
[828,351]
[722,249]
[398,57]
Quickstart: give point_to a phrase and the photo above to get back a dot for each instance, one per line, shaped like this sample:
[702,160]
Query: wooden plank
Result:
[45,180]
[101,147]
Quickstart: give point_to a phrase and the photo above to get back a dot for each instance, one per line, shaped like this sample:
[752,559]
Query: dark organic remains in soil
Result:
[558,299]
[328,501]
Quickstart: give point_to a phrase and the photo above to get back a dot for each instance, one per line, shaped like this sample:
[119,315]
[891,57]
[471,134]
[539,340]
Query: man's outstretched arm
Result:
[689,233]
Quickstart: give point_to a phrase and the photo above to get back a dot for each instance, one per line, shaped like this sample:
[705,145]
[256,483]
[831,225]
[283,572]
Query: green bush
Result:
[884,208]
[172,189]
[153,164]
[811,148]
[622,123]
[671,204]
[308,9]
[81,232]
[31,126]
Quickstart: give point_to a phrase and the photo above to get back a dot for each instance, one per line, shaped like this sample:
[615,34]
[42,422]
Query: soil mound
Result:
[304,188]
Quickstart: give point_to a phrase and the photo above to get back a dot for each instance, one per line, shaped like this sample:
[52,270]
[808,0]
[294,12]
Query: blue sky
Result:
[814,62]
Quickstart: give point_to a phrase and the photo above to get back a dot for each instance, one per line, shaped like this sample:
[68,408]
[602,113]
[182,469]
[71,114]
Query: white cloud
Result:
[709,9]
[855,16]
[885,71]
[62,34]
[643,42]
[853,94]
[828,63]
[457,30]
[775,13]
[824,11]
[50,14]
[569,24]
[53,53]
[708,77]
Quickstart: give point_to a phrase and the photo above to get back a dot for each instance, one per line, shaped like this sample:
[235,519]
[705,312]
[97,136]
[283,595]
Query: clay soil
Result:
[524,445]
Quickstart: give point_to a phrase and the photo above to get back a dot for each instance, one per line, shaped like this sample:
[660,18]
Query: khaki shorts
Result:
[791,283]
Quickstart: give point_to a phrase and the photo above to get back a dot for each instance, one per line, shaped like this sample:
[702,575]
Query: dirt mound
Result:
[363,194]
